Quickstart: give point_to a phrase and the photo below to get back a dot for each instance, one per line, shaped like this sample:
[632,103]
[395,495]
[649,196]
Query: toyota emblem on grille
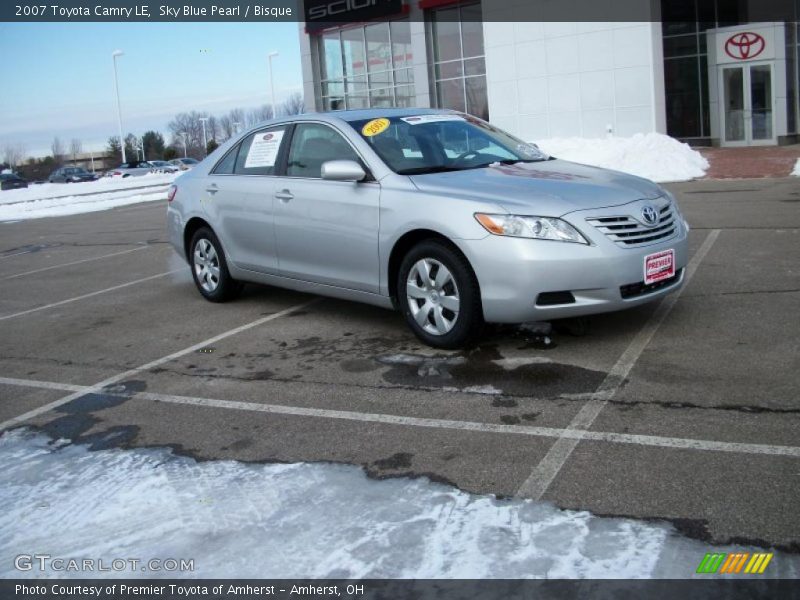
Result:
[649,215]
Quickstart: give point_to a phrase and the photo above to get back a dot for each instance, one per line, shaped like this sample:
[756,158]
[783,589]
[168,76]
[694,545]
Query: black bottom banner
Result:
[397,589]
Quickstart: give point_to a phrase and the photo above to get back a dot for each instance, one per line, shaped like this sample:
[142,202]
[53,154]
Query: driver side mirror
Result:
[343,170]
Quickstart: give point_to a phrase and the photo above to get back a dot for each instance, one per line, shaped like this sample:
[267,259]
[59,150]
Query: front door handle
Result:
[212,189]
[284,195]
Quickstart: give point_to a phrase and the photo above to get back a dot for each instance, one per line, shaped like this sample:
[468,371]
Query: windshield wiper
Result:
[514,161]
[426,170]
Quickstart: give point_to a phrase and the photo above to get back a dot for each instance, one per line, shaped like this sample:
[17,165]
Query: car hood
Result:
[549,188]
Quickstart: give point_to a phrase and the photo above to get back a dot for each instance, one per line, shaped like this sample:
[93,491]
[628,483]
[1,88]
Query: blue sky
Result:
[57,78]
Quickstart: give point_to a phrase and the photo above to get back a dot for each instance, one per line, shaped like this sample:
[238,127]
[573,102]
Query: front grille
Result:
[626,231]
[632,290]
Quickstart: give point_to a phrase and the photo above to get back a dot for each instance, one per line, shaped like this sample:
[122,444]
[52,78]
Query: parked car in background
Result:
[133,168]
[162,166]
[184,164]
[437,213]
[10,181]
[71,175]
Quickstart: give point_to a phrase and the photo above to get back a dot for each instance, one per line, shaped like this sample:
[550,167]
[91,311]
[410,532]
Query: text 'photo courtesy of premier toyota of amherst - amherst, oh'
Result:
[400,299]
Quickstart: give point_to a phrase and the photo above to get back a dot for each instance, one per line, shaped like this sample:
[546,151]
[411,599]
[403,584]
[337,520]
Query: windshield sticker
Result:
[375,127]
[263,150]
[420,119]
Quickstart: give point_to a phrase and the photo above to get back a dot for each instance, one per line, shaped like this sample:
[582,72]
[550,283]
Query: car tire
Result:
[445,311]
[210,268]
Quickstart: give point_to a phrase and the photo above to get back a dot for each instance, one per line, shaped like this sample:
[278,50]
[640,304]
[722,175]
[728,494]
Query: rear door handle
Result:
[284,195]
[212,189]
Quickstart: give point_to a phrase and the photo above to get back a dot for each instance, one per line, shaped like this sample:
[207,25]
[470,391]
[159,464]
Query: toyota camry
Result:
[436,213]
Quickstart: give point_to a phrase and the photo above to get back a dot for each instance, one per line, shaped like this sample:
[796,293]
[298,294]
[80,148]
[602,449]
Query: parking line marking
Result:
[548,468]
[75,262]
[89,295]
[386,419]
[16,254]
[46,385]
[98,387]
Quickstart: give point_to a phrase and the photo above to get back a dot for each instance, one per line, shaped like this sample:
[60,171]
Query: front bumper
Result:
[601,277]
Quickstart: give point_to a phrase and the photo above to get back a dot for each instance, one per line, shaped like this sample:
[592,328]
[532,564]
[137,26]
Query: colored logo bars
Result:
[734,563]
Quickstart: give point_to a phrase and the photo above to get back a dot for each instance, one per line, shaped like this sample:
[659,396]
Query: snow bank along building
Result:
[703,71]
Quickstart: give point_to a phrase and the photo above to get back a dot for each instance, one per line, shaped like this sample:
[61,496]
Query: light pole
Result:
[205,141]
[271,81]
[114,56]
[183,134]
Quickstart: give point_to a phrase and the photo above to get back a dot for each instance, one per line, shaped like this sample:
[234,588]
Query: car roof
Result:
[354,115]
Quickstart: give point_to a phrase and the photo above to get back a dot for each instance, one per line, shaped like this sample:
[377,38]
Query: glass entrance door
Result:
[747,105]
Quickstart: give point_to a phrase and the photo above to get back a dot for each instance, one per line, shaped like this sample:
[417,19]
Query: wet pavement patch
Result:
[401,460]
[79,418]
[485,370]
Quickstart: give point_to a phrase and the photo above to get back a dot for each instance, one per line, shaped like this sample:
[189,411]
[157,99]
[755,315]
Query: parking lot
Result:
[685,411]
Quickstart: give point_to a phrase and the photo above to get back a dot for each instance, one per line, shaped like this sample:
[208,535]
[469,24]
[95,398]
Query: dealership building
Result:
[704,71]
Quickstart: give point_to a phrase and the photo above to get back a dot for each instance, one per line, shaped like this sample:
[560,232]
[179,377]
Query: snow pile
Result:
[303,520]
[59,199]
[654,156]
[104,184]
[796,171]
[73,205]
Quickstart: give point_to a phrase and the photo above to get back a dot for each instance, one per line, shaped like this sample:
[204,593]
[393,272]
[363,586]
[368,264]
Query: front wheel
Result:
[439,295]
[209,268]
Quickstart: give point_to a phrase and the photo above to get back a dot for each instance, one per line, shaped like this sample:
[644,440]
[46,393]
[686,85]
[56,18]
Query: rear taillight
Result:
[117,173]
[173,189]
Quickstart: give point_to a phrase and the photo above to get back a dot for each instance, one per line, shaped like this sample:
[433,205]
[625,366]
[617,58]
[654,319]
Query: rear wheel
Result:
[209,268]
[439,295]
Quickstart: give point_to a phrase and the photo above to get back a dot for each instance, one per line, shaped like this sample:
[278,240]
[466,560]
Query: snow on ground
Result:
[652,155]
[304,520]
[796,171]
[59,199]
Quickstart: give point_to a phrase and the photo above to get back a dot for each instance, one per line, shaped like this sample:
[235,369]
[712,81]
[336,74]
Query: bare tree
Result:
[187,125]
[226,128]
[57,149]
[257,115]
[75,148]
[294,105]
[14,153]
[212,128]
[237,119]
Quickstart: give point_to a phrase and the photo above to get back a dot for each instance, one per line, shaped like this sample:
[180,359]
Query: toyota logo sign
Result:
[745,45]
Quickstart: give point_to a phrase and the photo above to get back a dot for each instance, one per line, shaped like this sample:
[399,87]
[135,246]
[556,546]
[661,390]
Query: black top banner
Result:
[321,13]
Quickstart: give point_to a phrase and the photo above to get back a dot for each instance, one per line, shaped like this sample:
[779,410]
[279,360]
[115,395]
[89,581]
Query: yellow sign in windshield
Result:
[375,127]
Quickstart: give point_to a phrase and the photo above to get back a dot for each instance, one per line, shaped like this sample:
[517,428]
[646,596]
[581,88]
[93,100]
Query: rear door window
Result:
[259,152]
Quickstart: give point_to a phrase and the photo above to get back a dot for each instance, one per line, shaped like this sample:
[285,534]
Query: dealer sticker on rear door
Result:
[659,266]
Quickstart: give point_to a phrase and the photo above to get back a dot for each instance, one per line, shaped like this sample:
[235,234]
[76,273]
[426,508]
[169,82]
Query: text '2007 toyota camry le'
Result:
[434,212]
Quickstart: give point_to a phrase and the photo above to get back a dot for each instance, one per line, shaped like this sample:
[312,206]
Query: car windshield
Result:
[188,161]
[436,143]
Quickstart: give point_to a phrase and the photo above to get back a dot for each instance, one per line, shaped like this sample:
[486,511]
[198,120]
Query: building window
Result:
[366,66]
[458,73]
[684,26]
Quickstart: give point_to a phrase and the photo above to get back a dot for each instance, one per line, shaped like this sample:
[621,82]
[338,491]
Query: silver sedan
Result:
[436,213]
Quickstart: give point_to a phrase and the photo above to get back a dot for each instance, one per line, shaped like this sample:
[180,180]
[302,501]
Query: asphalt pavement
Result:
[686,410]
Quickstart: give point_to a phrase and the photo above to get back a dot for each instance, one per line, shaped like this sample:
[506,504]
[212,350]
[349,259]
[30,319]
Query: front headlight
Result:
[538,228]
